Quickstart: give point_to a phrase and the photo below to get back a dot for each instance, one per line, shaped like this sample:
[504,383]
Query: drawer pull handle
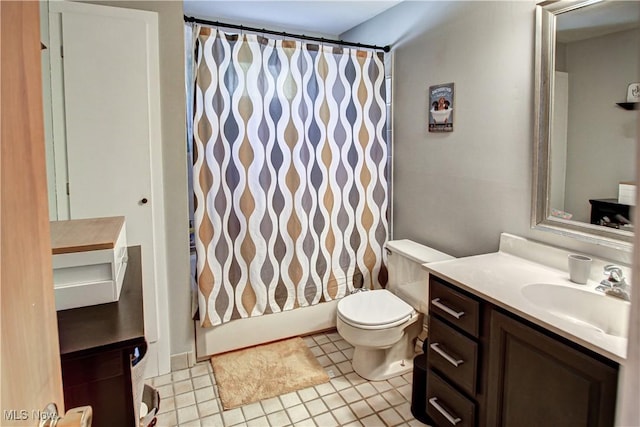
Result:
[448,310]
[453,420]
[455,362]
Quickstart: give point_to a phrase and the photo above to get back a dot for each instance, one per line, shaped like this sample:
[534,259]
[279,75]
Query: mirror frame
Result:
[546,13]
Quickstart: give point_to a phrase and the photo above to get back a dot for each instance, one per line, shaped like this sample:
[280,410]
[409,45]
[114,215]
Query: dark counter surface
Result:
[106,326]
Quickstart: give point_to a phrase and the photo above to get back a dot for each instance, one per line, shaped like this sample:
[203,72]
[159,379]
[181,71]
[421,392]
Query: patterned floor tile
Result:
[189,397]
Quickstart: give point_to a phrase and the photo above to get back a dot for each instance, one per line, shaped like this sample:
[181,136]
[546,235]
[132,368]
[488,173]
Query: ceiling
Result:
[311,17]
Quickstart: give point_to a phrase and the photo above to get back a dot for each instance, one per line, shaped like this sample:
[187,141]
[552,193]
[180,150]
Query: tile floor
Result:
[189,398]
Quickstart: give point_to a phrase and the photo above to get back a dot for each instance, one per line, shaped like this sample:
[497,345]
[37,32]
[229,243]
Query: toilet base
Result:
[375,364]
[382,372]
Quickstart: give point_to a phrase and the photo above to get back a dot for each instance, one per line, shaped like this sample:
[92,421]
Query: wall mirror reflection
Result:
[586,57]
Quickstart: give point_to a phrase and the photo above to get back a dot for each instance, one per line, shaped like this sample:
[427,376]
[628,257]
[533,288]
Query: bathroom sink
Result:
[605,314]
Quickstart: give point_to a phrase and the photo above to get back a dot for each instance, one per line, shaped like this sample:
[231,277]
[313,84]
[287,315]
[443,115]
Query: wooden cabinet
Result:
[96,348]
[454,395]
[488,367]
[538,380]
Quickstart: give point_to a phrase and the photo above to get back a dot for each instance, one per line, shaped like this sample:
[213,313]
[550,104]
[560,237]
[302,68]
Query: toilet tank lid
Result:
[417,252]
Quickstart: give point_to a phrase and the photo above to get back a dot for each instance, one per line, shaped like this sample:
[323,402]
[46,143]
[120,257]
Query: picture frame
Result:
[441,102]
[633,92]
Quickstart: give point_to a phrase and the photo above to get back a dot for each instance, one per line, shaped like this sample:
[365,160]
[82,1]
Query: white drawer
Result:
[90,277]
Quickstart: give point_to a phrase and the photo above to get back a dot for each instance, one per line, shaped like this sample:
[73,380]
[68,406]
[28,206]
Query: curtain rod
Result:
[285,34]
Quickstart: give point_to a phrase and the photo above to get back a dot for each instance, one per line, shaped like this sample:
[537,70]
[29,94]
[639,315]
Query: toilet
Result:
[383,324]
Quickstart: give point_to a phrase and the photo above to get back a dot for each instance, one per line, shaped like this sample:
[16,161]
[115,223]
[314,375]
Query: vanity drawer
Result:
[457,308]
[453,354]
[446,406]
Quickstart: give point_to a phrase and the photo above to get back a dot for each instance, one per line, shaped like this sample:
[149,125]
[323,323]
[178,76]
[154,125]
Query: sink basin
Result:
[596,311]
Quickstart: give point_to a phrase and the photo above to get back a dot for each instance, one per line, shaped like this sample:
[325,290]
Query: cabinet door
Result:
[536,380]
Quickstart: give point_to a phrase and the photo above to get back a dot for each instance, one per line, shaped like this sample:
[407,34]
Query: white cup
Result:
[579,268]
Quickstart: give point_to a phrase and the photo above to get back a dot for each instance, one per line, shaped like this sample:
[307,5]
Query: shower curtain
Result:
[289,174]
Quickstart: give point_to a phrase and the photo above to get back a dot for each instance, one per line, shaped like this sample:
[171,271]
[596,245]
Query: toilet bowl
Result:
[382,328]
[383,324]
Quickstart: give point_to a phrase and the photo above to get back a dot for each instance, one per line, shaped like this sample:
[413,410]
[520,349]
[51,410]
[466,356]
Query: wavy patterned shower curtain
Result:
[289,174]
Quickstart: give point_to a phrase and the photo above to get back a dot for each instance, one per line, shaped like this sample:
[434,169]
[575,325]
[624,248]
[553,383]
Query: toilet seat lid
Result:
[373,308]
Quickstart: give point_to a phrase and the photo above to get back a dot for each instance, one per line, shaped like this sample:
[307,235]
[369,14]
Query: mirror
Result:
[584,140]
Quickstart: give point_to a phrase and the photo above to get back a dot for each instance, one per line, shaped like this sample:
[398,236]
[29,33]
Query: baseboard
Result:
[182,361]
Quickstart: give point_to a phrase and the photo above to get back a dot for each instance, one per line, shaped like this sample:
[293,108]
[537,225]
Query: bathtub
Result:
[252,331]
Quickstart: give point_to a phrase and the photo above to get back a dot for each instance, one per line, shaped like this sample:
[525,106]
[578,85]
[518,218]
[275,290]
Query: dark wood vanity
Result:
[489,367]
[96,348]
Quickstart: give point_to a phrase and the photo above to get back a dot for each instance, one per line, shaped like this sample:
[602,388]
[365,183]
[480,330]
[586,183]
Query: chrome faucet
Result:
[615,284]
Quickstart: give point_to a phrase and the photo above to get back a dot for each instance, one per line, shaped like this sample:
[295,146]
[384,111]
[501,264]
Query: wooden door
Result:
[30,367]
[536,380]
[110,70]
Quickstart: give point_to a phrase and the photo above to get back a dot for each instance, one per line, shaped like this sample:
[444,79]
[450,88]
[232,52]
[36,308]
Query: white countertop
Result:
[499,279]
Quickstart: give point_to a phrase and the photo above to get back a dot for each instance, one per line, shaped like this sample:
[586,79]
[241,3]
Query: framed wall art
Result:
[633,92]
[441,108]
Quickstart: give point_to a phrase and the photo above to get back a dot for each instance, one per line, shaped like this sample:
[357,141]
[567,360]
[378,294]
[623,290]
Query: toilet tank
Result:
[407,278]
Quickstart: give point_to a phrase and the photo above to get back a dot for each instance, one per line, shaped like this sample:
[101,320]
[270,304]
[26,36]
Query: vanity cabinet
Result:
[537,380]
[489,367]
[454,375]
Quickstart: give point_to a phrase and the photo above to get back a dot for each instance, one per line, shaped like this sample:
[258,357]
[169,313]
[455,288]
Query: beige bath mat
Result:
[256,373]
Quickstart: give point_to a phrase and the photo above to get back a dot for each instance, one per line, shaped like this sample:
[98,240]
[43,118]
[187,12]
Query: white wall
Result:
[457,192]
[601,136]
